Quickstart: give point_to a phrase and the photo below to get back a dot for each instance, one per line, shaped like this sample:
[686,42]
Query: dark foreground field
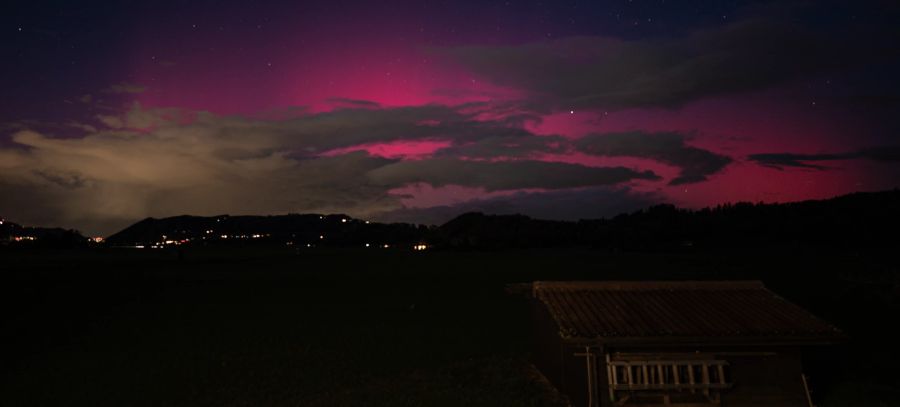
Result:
[346,327]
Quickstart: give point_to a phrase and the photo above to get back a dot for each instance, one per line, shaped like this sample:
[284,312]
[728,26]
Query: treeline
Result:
[860,220]
[13,235]
[295,229]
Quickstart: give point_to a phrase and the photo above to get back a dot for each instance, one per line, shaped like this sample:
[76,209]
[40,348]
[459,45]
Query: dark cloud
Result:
[596,72]
[585,203]
[354,102]
[782,160]
[503,175]
[695,164]
[355,126]
[513,145]
[670,148]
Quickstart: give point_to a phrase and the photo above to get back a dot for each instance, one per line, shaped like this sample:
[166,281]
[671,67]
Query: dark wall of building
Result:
[576,379]
[556,359]
[546,344]
[766,381]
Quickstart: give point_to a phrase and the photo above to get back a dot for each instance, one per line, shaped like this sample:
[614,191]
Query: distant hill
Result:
[860,220]
[477,230]
[303,230]
[16,235]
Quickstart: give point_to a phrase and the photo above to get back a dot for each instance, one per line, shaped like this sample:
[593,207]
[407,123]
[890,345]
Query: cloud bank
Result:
[608,73]
[164,162]
[781,160]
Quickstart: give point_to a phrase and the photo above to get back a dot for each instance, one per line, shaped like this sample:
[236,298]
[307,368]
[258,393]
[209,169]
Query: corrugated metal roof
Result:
[716,309]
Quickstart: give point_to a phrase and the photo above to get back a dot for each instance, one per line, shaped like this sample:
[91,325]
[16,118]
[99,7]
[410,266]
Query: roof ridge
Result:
[632,285]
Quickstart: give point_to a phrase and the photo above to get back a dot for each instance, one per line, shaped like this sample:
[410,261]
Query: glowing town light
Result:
[386,246]
[420,247]
[343,220]
[367,245]
[367,222]
[224,236]
[308,245]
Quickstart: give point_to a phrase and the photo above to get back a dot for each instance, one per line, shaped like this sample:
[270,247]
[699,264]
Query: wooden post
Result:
[806,390]
[662,376]
[613,379]
[589,364]
[691,376]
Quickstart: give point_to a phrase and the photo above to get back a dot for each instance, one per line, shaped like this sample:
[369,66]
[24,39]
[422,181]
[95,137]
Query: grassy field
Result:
[368,327]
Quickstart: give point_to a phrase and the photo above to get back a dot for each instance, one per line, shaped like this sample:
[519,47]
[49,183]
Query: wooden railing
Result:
[659,378]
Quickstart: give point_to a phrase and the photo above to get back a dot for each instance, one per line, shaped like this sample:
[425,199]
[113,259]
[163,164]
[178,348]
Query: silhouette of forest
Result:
[860,220]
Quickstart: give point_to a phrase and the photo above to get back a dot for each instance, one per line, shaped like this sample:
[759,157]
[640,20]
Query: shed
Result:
[709,343]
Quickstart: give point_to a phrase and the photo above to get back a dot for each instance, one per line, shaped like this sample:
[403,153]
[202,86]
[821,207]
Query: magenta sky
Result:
[419,112]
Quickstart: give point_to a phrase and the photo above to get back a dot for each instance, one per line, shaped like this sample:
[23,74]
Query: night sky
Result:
[418,111]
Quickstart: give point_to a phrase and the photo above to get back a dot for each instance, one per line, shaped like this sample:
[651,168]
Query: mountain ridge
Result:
[862,218]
